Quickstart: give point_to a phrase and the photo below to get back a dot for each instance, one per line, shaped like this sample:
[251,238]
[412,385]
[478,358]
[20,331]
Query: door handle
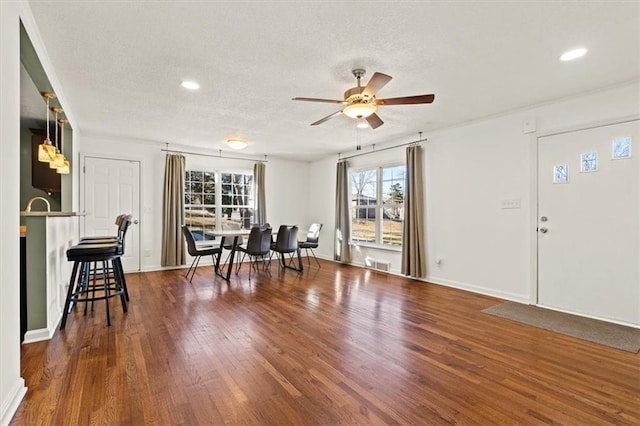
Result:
[543,230]
[135,222]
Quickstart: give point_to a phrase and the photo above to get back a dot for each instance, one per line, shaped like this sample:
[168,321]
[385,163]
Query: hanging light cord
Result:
[56,118]
[61,134]
[48,140]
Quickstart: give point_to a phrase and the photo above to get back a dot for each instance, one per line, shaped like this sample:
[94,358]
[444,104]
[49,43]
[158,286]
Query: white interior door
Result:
[112,187]
[588,224]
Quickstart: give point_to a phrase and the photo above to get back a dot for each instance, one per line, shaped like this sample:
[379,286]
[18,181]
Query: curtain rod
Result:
[373,150]
[228,157]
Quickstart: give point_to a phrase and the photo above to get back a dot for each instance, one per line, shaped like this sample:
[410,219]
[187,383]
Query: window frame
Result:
[379,206]
[218,206]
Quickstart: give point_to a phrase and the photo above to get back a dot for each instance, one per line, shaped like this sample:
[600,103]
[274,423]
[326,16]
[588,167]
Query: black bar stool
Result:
[88,283]
[123,221]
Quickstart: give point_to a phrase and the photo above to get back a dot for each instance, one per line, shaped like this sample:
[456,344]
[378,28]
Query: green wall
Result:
[26,190]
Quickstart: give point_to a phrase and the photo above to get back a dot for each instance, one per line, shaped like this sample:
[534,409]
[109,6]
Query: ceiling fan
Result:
[361,102]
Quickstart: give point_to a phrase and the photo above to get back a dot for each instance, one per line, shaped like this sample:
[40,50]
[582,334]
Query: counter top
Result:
[45,214]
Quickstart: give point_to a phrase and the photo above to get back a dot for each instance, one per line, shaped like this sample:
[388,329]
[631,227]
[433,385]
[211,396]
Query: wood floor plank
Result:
[332,345]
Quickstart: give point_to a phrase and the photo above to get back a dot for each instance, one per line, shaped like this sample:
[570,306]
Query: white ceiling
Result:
[121,63]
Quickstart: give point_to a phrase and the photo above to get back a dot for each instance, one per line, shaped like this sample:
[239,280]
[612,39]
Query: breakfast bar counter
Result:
[48,236]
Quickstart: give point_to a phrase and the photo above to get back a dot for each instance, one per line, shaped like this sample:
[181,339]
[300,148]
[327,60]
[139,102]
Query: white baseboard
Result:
[456,284]
[520,298]
[12,401]
[434,280]
[38,335]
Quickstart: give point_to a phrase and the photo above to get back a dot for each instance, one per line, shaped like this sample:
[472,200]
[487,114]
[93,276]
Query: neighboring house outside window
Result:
[217,200]
[377,211]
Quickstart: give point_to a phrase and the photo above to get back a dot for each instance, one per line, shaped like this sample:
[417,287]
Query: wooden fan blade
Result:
[331,101]
[328,117]
[407,100]
[374,121]
[377,82]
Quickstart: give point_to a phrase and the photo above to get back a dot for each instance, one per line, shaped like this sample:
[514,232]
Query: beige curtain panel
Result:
[343,219]
[413,236]
[259,171]
[173,250]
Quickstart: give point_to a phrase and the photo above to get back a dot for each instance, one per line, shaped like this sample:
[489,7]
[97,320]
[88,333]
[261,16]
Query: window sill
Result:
[378,246]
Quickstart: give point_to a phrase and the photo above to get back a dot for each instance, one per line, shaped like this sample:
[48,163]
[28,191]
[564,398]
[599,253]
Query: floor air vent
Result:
[378,265]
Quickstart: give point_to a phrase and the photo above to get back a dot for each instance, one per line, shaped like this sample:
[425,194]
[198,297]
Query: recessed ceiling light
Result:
[191,85]
[363,125]
[573,54]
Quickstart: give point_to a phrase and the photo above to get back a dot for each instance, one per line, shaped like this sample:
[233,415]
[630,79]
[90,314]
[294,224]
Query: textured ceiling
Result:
[121,63]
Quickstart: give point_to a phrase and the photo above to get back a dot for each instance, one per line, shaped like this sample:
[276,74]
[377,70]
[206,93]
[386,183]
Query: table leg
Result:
[219,270]
[217,265]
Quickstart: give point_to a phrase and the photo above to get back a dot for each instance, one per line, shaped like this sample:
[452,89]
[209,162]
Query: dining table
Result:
[223,270]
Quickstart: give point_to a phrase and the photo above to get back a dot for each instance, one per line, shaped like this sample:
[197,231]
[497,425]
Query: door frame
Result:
[533,186]
[81,188]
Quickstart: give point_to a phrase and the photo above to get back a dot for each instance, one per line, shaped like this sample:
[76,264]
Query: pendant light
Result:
[46,151]
[64,169]
[58,158]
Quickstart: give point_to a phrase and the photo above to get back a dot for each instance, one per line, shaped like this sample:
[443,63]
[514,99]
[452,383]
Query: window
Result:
[222,198]
[377,203]
[237,200]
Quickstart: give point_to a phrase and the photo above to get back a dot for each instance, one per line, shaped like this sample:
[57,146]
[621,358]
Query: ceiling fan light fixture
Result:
[362,125]
[359,110]
[237,143]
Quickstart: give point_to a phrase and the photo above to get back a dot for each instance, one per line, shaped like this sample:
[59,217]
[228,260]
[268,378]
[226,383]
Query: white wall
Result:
[287,183]
[322,200]
[469,170]
[12,387]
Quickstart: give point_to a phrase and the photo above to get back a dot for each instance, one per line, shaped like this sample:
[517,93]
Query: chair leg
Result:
[123,281]
[93,272]
[106,283]
[239,264]
[120,285]
[300,264]
[191,267]
[266,263]
[67,301]
[197,261]
[314,256]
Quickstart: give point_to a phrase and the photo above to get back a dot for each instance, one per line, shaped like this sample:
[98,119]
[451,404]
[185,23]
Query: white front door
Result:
[112,187]
[588,223]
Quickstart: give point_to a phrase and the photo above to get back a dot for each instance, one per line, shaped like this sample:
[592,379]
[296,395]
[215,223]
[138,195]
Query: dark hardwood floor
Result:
[336,345]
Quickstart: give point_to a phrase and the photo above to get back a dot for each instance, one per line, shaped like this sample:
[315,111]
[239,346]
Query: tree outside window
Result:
[364,205]
[378,205]
[217,200]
